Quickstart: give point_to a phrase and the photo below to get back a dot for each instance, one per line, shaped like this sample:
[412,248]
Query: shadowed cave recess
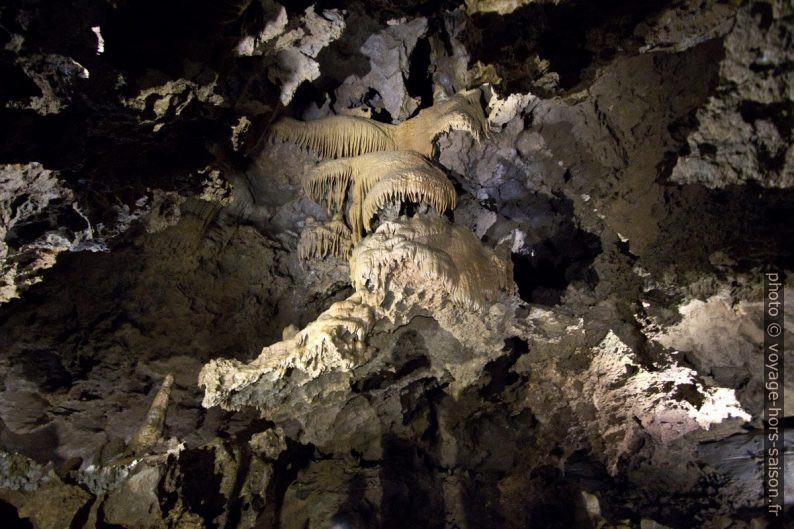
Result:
[391,264]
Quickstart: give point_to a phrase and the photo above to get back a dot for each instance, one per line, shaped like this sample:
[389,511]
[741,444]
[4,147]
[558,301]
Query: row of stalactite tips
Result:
[366,166]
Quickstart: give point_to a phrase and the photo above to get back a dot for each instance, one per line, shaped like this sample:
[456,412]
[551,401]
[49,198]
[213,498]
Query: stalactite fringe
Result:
[348,136]
[319,240]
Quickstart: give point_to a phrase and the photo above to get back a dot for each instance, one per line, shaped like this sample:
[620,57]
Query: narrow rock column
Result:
[152,429]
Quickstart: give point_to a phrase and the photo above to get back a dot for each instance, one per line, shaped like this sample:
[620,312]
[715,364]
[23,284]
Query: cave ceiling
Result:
[418,264]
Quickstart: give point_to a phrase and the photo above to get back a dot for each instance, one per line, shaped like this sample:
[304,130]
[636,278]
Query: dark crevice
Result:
[201,485]
[586,471]
[10,517]
[557,33]
[372,99]
[235,500]
[420,81]
[306,95]
[16,84]
[412,493]
[499,372]
[543,276]
[81,516]
[295,458]
[408,355]
[763,13]
[175,31]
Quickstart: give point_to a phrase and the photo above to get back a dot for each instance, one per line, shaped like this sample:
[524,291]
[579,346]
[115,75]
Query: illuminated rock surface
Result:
[389,264]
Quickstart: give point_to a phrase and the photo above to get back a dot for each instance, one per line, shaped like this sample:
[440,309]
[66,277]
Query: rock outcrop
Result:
[390,264]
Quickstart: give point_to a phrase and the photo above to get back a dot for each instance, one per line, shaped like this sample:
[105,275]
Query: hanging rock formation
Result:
[405,268]
[532,295]
[344,136]
[319,240]
[404,254]
[376,179]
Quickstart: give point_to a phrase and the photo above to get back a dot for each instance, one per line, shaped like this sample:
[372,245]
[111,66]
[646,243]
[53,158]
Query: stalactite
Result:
[319,240]
[460,112]
[393,175]
[328,182]
[335,136]
[152,429]
[438,250]
[348,136]
[431,187]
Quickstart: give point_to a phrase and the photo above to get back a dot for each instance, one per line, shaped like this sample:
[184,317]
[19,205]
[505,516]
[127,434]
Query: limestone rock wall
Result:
[635,178]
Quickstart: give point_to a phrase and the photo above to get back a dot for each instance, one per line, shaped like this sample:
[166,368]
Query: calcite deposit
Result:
[454,265]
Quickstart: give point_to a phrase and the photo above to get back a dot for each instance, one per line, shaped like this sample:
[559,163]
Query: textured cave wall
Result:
[639,165]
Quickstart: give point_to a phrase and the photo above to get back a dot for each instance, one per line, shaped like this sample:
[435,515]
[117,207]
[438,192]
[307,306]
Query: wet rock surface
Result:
[636,178]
